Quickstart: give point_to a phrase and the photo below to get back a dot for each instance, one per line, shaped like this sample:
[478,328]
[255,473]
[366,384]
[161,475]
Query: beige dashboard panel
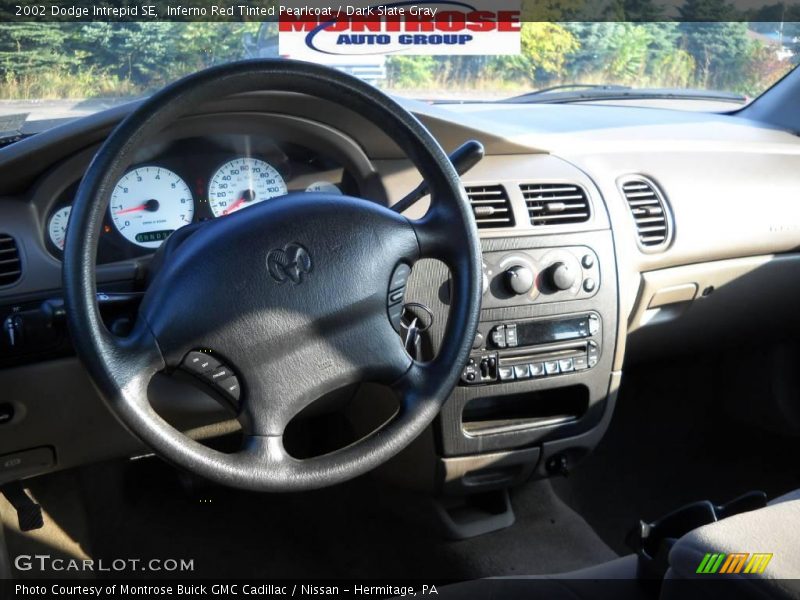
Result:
[665,294]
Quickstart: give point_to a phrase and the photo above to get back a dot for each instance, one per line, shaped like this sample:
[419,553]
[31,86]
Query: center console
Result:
[543,353]
[536,393]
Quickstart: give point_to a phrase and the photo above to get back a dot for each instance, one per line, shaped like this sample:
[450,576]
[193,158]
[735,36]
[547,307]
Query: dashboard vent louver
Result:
[649,212]
[491,206]
[10,263]
[555,203]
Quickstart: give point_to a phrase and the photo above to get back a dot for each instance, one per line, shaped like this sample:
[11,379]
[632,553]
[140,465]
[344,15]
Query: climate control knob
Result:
[520,279]
[560,276]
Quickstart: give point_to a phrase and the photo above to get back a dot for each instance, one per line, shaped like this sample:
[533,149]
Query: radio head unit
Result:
[536,348]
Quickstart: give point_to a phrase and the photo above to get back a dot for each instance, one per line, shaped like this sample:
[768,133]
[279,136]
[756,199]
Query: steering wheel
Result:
[291,294]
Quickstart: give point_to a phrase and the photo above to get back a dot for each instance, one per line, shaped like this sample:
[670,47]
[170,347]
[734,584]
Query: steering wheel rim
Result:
[122,368]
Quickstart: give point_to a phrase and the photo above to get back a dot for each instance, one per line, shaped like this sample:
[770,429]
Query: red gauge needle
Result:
[247,196]
[150,206]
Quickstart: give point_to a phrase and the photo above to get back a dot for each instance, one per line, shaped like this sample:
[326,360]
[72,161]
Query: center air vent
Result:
[555,203]
[10,264]
[491,206]
[649,212]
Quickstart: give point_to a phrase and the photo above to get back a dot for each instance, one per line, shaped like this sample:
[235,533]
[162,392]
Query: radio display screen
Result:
[543,332]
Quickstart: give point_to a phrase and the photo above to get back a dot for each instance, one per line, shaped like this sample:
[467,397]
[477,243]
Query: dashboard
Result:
[609,235]
[194,179]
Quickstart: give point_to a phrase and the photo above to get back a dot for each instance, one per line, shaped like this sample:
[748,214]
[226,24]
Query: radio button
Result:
[537,369]
[594,324]
[522,371]
[589,285]
[506,373]
[499,336]
[551,367]
[565,365]
[511,336]
[587,261]
[477,343]
[593,354]
[580,363]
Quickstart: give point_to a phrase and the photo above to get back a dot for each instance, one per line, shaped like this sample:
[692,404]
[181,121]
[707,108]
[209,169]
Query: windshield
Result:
[52,70]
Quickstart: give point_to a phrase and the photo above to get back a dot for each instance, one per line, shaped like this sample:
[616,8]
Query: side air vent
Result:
[10,264]
[649,212]
[555,203]
[491,206]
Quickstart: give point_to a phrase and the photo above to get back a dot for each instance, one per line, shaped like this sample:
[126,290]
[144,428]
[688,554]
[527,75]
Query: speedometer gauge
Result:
[242,182]
[149,203]
[57,226]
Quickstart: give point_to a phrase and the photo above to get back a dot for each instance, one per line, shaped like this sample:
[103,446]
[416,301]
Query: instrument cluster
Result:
[197,179]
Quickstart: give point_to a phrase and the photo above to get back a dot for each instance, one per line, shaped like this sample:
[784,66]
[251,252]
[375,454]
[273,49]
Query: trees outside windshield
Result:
[40,60]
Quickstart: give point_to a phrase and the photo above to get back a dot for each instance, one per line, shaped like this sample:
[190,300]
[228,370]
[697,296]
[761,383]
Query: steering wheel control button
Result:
[200,362]
[211,371]
[400,277]
[219,374]
[230,387]
[396,294]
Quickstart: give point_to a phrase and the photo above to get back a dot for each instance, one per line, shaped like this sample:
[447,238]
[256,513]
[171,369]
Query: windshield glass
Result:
[52,70]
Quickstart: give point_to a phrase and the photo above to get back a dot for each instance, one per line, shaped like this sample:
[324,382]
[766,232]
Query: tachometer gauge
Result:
[242,182]
[149,203]
[57,226]
[325,187]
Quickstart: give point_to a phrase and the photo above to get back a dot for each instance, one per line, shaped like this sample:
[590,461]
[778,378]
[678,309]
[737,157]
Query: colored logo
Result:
[289,264]
[433,27]
[730,564]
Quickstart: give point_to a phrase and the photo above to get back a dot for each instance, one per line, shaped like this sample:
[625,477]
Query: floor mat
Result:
[670,443]
[362,529]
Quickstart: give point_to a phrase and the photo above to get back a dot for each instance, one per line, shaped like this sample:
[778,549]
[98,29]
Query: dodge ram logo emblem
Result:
[291,263]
